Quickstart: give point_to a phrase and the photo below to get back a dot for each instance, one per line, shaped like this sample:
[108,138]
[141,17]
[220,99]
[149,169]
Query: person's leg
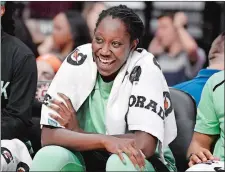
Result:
[115,164]
[56,158]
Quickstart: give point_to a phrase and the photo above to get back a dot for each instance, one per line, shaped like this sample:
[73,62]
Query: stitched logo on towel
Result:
[46,99]
[135,74]
[6,154]
[22,167]
[167,103]
[142,102]
[76,58]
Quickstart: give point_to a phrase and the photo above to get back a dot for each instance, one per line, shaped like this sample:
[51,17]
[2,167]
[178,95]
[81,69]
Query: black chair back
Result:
[185,114]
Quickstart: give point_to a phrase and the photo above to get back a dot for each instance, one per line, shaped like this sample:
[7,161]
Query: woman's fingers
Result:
[67,100]
[58,110]
[208,155]
[202,157]
[57,118]
[191,163]
[137,155]
[61,105]
[120,154]
[195,159]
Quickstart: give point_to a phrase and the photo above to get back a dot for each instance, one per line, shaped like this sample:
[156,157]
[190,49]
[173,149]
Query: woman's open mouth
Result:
[105,61]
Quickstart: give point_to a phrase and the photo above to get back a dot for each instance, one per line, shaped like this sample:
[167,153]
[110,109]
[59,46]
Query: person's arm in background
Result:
[17,114]
[155,47]
[206,129]
[199,150]
[188,42]
[47,46]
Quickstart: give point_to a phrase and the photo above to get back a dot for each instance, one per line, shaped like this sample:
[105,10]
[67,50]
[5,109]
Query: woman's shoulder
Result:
[85,47]
[143,57]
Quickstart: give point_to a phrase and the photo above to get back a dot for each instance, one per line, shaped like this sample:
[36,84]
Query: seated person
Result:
[108,107]
[47,66]
[209,128]
[216,63]
[69,31]
[175,49]
[18,86]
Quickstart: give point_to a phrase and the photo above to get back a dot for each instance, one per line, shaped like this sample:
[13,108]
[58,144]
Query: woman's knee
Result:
[52,152]
[55,158]
[115,164]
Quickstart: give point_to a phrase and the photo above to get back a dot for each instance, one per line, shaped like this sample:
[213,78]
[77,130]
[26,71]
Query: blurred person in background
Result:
[18,86]
[175,49]
[216,63]
[91,12]
[69,31]
[47,66]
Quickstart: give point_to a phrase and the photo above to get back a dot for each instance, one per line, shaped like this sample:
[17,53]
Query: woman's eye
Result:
[116,44]
[99,40]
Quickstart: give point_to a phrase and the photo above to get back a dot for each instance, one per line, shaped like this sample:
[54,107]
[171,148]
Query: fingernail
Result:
[124,162]
[143,168]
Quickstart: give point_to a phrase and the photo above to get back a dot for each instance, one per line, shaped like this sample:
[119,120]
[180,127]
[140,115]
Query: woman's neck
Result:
[110,77]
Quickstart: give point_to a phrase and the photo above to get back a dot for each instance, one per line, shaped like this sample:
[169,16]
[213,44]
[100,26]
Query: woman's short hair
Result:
[132,21]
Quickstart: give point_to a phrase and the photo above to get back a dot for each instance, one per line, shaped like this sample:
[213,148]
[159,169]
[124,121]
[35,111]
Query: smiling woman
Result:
[89,122]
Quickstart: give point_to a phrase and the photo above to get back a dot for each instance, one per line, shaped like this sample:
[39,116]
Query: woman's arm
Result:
[72,140]
[199,149]
[144,141]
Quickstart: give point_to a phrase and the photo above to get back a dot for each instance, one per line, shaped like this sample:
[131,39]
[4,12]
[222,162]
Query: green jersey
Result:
[210,115]
[91,115]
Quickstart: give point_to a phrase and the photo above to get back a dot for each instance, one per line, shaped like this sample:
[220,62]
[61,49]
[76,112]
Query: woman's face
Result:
[45,71]
[111,45]
[61,31]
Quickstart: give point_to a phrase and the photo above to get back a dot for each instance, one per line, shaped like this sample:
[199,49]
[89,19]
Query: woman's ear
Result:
[134,44]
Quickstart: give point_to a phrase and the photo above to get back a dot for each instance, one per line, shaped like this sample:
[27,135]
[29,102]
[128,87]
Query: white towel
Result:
[139,98]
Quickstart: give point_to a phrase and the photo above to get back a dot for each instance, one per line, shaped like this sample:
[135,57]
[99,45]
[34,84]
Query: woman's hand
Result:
[202,155]
[67,113]
[128,146]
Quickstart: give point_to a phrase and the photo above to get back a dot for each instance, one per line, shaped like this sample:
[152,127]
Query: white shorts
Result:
[14,156]
[217,166]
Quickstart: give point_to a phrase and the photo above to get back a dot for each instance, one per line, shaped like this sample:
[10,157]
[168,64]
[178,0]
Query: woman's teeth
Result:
[105,61]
